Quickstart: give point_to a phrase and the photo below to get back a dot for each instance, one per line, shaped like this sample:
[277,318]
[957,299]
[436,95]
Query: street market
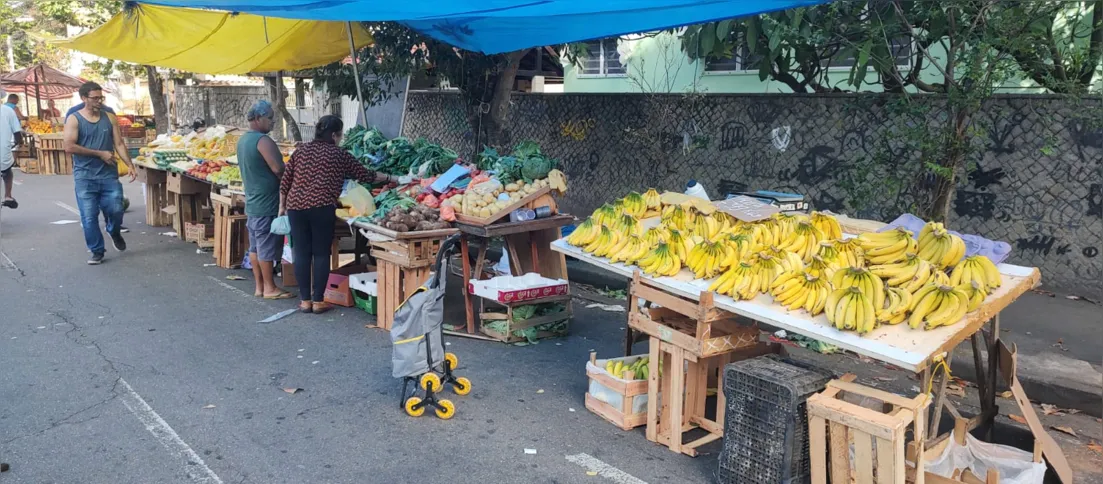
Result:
[756,340]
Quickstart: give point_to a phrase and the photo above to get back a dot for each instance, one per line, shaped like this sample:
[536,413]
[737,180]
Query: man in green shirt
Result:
[261,165]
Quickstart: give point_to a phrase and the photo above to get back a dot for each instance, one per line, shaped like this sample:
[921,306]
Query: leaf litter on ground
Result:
[292,390]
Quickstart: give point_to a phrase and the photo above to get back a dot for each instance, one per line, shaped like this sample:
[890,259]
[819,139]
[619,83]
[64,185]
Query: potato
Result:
[512,187]
[484,213]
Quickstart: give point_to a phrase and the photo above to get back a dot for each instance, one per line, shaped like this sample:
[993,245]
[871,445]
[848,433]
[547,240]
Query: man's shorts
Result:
[267,246]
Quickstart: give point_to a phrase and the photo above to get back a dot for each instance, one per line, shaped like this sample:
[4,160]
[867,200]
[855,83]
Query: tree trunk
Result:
[278,94]
[494,124]
[157,98]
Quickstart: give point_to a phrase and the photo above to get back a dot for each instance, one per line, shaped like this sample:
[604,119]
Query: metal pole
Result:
[356,74]
[37,94]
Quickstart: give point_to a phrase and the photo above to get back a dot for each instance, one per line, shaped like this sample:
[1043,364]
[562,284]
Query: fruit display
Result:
[639,369]
[803,262]
[204,171]
[38,126]
[227,176]
[165,158]
[491,197]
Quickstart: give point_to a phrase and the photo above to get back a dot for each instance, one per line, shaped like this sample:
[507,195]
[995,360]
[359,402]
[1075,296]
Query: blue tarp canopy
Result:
[493,26]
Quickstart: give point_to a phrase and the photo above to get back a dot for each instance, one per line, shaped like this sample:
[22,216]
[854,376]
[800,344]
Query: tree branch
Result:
[1095,46]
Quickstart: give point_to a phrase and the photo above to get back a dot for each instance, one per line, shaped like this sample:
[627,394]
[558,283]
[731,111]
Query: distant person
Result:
[11,134]
[309,190]
[52,113]
[93,138]
[261,165]
[13,102]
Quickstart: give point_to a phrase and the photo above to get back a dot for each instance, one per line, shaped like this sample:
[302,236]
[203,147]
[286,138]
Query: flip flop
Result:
[282,295]
[11,203]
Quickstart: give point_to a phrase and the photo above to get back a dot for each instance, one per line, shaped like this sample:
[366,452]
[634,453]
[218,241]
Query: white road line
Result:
[67,207]
[602,469]
[230,288]
[196,469]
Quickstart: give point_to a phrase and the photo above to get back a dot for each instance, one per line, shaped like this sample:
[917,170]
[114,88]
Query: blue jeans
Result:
[92,197]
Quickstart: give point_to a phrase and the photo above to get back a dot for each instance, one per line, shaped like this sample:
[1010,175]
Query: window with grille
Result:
[901,51]
[741,60]
[602,59]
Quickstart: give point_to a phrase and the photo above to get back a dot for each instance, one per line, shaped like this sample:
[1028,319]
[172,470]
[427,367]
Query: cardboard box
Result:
[197,231]
[338,289]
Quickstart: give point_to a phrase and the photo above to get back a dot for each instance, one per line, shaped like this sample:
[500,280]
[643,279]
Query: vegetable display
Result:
[526,162]
[398,156]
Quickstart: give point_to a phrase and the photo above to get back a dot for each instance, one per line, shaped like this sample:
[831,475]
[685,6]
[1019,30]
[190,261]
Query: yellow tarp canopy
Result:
[214,42]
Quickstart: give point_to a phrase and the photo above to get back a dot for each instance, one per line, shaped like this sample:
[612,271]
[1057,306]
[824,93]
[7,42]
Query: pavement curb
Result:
[1065,382]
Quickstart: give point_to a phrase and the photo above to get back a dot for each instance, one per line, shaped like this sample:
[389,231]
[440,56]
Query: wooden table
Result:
[534,235]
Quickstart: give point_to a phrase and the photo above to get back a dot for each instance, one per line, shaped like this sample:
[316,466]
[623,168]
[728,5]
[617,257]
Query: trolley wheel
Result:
[452,359]
[410,410]
[462,386]
[446,409]
[430,381]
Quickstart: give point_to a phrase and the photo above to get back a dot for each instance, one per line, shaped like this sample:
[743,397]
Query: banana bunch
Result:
[638,368]
[585,233]
[605,214]
[889,246]
[675,217]
[827,224]
[975,292]
[626,225]
[862,279]
[821,268]
[800,289]
[897,302]
[634,204]
[910,274]
[938,305]
[603,243]
[653,236]
[754,232]
[979,269]
[846,252]
[661,261]
[678,244]
[849,308]
[805,240]
[774,231]
[706,259]
[939,246]
[789,261]
[653,200]
[940,277]
[706,227]
[739,247]
[765,268]
[632,250]
[736,282]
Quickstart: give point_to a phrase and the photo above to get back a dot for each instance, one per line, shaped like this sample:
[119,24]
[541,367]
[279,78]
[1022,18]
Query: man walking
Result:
[261,166]
[93,138]
[11,134]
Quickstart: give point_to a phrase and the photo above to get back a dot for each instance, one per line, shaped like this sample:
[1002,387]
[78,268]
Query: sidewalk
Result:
[1058,341]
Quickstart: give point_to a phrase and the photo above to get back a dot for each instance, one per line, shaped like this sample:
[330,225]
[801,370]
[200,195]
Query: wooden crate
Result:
[28,165]
[51,141]
[157,200]
[52,162]
[150,176]
[408,253]
[182,184]
[231,238]
[695,326]
[184,209]
[507,336]
[395,284]
[198,231]
[622,417]
[876,430]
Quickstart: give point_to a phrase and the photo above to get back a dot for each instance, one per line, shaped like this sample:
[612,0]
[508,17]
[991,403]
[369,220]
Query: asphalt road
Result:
[152,368]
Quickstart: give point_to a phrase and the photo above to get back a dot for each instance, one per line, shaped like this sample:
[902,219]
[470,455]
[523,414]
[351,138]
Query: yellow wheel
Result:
[462,386]
[449,409]
[430,381]
[452,359]
[410,410]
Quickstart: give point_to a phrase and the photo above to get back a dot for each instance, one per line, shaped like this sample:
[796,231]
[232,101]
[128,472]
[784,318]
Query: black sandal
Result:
[10,203]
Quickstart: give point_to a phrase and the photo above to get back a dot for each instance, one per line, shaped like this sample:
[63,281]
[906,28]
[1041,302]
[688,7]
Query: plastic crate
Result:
[766,423]
[365,302]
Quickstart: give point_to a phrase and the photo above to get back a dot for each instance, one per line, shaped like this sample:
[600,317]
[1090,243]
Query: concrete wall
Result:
[1036,182]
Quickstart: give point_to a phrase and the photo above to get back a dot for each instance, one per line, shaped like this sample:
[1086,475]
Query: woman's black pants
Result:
[311,240]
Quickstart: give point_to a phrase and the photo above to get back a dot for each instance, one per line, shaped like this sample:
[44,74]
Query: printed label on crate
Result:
[519,294]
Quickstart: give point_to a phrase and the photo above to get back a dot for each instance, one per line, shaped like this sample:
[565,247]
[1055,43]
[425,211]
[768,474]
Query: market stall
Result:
[902,297]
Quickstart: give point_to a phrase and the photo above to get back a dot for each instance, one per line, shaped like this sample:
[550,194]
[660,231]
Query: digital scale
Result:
[787,202]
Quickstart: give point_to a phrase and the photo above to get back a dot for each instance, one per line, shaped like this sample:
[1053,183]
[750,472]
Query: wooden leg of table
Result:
[334,254]
[514,259]
[978,364]
[535,253]
[477,275]
[653,391]
[465,252]
[677,395]
[993,365]
[940,399]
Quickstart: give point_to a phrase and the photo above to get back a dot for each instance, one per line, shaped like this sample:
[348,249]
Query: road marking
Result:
[197,470]
[230,288]
[602,469]
[67,207]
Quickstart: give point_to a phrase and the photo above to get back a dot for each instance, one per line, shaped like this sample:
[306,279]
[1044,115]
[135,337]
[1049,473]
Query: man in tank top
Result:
[93,138]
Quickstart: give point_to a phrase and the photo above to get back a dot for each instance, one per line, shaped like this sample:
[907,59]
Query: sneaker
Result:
[118,242]
[96,260]
[123,230]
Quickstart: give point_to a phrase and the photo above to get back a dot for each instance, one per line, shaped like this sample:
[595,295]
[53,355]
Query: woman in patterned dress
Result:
[311,183]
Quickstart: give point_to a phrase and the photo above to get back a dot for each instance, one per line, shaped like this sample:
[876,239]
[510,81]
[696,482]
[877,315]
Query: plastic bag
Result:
[604,394]
[280,226]
[1015,466]
[485,188]
[359,200]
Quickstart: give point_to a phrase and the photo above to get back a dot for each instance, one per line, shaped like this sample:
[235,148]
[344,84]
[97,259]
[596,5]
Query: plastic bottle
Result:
[695,189]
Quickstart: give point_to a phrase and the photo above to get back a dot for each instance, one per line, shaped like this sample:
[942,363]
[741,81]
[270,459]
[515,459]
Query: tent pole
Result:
[37,94]
[356,74]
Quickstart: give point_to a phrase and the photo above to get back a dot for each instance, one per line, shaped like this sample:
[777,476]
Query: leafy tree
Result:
[971,46]
[485,81]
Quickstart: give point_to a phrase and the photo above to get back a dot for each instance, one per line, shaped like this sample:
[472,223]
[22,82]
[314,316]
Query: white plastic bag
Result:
[1014,465]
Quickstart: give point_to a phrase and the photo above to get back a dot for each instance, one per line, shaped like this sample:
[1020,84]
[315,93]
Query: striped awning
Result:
[51,83]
